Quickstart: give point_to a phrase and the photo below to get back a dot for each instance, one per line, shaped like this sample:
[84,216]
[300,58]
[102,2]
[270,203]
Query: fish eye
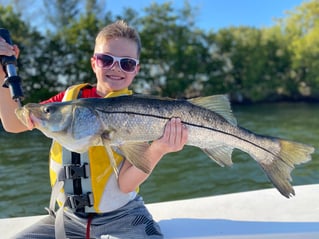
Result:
[47,109]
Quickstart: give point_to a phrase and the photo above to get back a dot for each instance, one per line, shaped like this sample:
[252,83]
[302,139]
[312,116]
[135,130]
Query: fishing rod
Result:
[9,63]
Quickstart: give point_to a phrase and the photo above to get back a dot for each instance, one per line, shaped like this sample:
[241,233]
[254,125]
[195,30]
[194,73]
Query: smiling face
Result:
[114,78]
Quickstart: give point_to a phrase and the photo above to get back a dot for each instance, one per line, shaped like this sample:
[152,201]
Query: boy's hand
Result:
[174,138]
[7,50]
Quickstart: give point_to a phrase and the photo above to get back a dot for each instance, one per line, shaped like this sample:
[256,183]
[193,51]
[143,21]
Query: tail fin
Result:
[278,171]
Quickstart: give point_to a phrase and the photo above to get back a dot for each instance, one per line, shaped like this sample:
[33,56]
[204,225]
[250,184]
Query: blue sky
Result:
[212,14]
[216,14]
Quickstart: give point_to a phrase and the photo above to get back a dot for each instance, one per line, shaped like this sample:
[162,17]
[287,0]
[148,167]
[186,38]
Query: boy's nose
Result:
[116,65]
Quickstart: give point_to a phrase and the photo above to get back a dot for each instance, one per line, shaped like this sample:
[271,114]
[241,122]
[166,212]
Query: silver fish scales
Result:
[130,122]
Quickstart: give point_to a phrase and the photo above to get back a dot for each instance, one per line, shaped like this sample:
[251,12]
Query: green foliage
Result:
[173,53]
[301,27]
[257,63]
[178,59]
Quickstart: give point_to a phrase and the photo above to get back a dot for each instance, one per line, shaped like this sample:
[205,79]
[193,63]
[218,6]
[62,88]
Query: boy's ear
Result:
[138,67]
[93,64]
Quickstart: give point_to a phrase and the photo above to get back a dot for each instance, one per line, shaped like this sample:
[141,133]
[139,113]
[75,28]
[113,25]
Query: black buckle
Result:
[76,171]
[78,202]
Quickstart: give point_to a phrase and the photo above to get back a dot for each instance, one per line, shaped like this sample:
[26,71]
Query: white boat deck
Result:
[261,214]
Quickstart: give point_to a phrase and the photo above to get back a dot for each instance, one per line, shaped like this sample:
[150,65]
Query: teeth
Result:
[115,77]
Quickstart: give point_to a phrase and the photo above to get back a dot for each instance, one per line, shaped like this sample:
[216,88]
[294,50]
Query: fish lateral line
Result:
[191,124]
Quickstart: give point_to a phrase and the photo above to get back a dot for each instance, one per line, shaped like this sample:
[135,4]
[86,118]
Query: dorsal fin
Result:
[218,103]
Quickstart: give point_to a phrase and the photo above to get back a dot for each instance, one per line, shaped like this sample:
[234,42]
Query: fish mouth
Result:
[26,117]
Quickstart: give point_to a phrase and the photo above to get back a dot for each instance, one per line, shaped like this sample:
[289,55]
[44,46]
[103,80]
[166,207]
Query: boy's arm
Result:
[174,138]
[7,105]
[7,109]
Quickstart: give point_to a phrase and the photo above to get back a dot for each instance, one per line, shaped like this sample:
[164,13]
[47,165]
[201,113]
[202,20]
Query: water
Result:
[24,181]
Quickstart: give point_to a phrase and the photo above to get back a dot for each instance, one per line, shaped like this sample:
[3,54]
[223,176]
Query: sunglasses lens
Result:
[104,60]
[128,64]
[107,61]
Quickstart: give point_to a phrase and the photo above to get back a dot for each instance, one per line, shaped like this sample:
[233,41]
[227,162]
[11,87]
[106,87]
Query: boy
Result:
[94,203]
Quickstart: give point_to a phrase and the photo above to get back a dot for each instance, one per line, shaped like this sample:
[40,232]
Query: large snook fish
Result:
[130,122]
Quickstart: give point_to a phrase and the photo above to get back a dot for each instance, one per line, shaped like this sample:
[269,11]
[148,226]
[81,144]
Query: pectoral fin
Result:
[135,154]
[220,154]
[109,151]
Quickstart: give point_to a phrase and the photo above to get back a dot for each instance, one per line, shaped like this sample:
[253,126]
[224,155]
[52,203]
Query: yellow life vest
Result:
[88,178]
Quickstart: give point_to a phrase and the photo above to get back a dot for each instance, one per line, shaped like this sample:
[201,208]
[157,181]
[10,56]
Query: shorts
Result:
[132,221]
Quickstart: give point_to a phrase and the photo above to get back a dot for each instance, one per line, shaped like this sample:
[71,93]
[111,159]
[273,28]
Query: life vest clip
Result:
[75,171]
[79,202]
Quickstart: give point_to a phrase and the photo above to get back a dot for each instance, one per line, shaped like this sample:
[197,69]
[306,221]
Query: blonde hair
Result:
[119,29]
